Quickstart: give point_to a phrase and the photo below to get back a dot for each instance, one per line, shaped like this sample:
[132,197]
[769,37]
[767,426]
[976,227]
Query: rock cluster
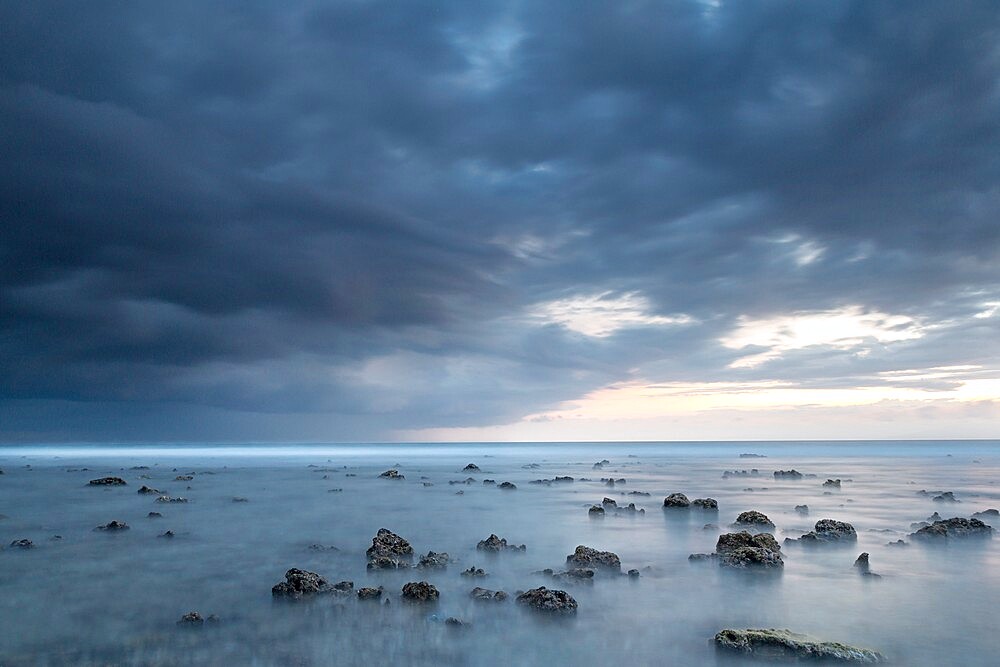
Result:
[108,481]
[954,528]
[787,474]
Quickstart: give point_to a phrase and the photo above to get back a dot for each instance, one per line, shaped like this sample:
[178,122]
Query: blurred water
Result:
[96,598]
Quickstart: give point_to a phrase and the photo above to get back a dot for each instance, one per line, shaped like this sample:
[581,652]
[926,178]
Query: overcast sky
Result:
[303,221]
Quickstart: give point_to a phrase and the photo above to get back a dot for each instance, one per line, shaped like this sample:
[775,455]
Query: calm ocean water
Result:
[95,598]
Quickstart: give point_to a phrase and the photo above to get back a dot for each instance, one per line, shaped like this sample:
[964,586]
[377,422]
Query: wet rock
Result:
[507,486]
[191,618]
[549,601]
[108,481]
[612,482]
[369,593]
[392,474]
[786,645]
[113,526]
[23,543]
[434,561]
[420,591]
[600,464]
[946,497]
[147,490]
[300,583]
[832,483]
[388,551]
[343,587]
[864,567]
[494,544]
[426,484]
[802,509]
[744,550]
[587,557]
[168,534]
[827,531]
[472,467]
[596,511]
[676,500]
[474,572]
[487,595]
[754,520]
[787,474]
[154,515]
[954,528]
[709,504]
[169,499]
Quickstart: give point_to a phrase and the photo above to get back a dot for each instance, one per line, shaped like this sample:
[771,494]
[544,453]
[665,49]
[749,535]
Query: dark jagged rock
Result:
[827,531]
[676,500]
[456,623]
[832,483]
[788,474]
[392,473]
[487,595]
[434,561]
[946,497]
[506,486]
[608,481]
[108,481]
[113,526]
[549,601]
[168,534]
[754,519]
[633,573]
[954,528]
[321,547]
[23,543]
[609,502]
[472,467]
[753,456]
[864,567]
[786,645]
[586,557]
[300,583]
[369,593]
[420,591]
[802,509]
[595,511]
[495,544]
[388,551]
[729,542]
[474,572]
[426,484]
[744,550]
[600,464]
[709,504]
[146,491]
[191,618]
[489,482]
[169,499]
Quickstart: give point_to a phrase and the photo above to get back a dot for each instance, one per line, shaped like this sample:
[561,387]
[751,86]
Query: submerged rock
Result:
[183,478]
[506,486]
[832,483]
[786,645]
[495,544]
[420,591]
[548,600]
[676,500]
[986,514]
[108,481]
[740,473]
[369,593]
[392,473]
[434,561]
[474,572]
[755,520]
[146,491]
[388,551]
[826,531]
[954,528]
[802,509]
[168,534]
[23,543]
[154,515]
[191,618]
[300,583]
[744,550]
[596,510]
[946,497]
[864,568]
[113,526]
[472,467]
[576,575]
[585,557]
[487,595]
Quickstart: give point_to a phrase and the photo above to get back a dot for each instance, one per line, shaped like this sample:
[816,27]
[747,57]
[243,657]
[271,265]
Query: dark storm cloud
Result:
[347,212]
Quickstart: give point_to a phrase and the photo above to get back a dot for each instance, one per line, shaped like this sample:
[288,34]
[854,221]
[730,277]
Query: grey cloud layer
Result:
[343,210]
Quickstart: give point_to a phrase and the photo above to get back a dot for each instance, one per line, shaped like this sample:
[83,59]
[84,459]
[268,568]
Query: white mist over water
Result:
[95,598]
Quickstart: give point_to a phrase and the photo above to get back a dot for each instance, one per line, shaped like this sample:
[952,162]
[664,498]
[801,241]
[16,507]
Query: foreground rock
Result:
[774,644]
[108,481]
[495,544]
[300,583]
[420,591]
[586,557]
[388,551]
[828,531]
[954,528]
[548,601]
[754,520]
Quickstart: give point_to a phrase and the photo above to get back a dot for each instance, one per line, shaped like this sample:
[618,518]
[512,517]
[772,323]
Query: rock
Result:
[676,500]
[474,572]
[456,623]
[494,544]
[191,618]
[633,574]
[146,490]
[549,601]
[864,568]
[600,464]
[786,645]
[954,528]
[183,478]
[388,551]
[434,561]
[108,481]
[802,509]
[608,502]
[754,519]
[596,510]
[487,595]
[154,515]
[113,526]
[585,557]
[576,575]
[420,591]
[787,474]
[321,547]
[392,474]
[897,543]
[744,550]
[241,499]
[168,499]
[369,593]
[985,514]
[506,486]
[828,530]
[489,482]
[709,504]
[23,543]
[946,497]
[832,483]
[169,534]
[639,493]
[300,583]
[740,473]
[472,467]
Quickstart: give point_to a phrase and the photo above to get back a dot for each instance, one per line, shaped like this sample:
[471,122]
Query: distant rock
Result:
[474,572]
[832,483]
[954,528]
[946,497]
[420,591]
[601,464]
[787,474]
[169,499]
[639,493]
[183,478]
[369,593]
[192,618]
[609,502]
[321,547]
[241,499]
[487,595]
[786,645]
[154,515]
[147,491]
[678,500]
[392,474]
[300,583]
[549,601]
[168,534]
[472,467]
[585,557]
[708,504]
[596,511]
[495,544]
[434,561]
[113,526]
[986,514]
[828,531]
[752,456]
[802,509]
[897,543]
[754,520]
[576,575]
[23,543]
[744,550]
[506,486]
[728,474]
[388,551]
[864,567]
[108,481]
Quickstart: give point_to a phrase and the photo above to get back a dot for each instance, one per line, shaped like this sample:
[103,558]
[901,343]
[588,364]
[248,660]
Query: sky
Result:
[499,220]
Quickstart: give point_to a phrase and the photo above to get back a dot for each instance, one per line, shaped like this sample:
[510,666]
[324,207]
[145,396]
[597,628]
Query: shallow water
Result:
[96,598]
